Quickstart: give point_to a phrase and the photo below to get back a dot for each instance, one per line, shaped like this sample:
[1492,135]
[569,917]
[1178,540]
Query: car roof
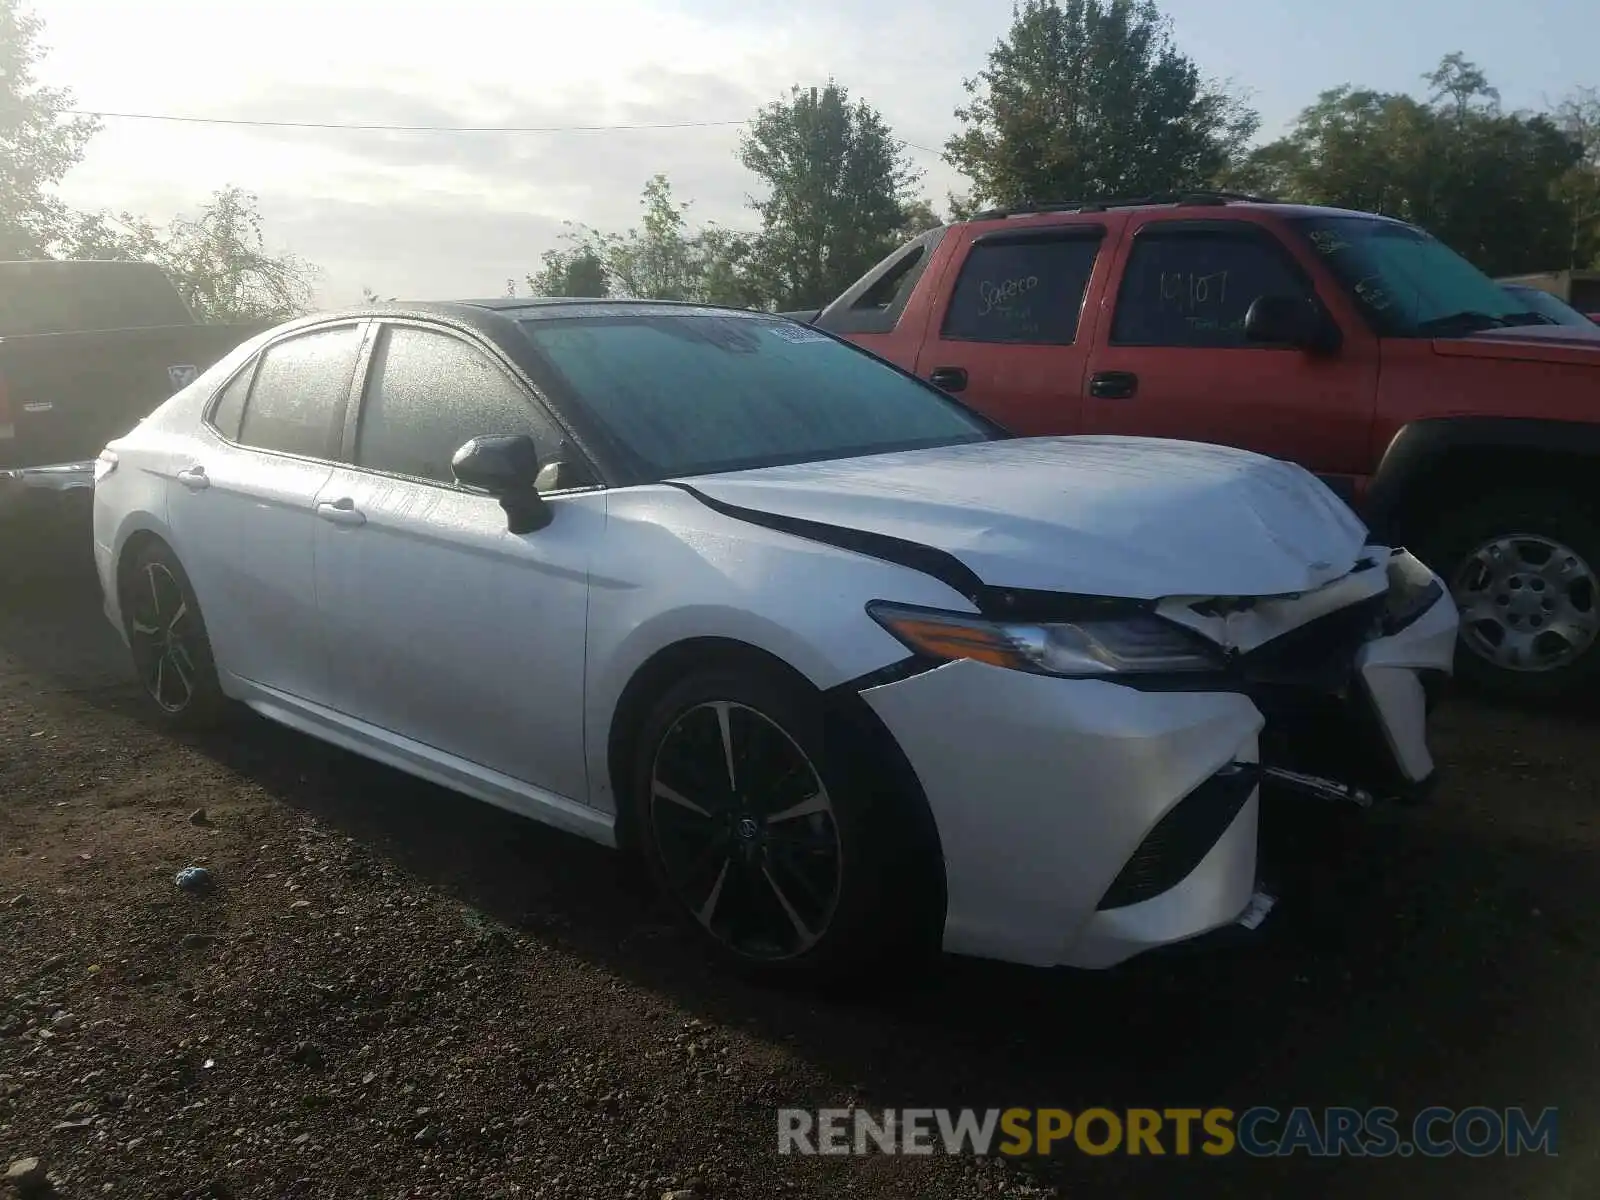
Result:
[1192,203]
[479,313]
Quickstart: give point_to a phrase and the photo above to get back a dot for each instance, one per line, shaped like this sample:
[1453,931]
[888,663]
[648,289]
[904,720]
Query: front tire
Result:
[768,837]
[167,636]
[1524,569]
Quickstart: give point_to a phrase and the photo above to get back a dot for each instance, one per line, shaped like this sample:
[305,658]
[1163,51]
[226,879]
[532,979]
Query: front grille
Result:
[1338,737]
[1180,840]
[1318,656]
[1319,720]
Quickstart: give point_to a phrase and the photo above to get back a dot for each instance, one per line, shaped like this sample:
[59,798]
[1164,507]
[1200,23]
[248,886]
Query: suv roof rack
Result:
[1200,197]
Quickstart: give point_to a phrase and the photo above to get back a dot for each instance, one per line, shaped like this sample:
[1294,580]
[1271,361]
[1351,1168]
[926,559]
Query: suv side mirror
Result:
[508,469]
[1290,321]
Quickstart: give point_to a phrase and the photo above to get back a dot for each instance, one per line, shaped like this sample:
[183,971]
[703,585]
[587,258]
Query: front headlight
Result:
[1139,644]
[1413,590]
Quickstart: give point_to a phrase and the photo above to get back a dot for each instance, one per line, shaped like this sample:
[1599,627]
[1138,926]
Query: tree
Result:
[577,269]
[661,259]
[917,217]
[218,261]
[1092,98]
[838,194]
[1488,183]
[1457,83]
[39,141]
[1578,116]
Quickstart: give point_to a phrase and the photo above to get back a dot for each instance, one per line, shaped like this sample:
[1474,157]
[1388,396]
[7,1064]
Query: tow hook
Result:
[1316,785]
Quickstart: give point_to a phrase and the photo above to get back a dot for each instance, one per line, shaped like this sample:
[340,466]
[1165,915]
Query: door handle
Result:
[1113,385]
[194,478]
[951,379]
[342,511]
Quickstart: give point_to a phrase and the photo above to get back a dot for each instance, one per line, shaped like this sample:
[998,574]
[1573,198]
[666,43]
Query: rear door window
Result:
[228,410]
[297,402]
[1025,290]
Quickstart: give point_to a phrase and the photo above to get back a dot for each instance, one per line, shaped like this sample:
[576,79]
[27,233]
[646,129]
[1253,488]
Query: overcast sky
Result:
[455,215]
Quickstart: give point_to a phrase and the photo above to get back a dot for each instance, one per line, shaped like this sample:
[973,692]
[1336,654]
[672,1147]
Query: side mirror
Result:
[1290,321]
[508,469]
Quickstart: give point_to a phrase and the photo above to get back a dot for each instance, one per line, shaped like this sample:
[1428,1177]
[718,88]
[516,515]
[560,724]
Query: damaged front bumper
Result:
[26,491]
[1084,821]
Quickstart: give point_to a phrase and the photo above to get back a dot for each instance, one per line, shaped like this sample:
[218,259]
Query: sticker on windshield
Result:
[182,375]
[798,334]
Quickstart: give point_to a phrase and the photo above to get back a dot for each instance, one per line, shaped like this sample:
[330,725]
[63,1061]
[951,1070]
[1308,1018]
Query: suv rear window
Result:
[1022,290]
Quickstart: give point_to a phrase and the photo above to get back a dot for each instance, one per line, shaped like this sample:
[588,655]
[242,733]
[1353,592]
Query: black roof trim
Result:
[1199,197]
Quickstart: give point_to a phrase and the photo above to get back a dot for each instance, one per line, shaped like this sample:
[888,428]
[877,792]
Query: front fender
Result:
[674,571]
[1420,449]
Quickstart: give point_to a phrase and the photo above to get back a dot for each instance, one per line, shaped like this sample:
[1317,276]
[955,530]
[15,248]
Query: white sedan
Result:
[849,669]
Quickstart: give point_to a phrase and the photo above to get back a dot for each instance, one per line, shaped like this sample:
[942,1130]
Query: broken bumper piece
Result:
[1083,822]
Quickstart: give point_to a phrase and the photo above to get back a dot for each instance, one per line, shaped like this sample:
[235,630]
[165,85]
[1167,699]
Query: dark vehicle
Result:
[1455,417]
[1554,307]
[86,350]
[1580,289]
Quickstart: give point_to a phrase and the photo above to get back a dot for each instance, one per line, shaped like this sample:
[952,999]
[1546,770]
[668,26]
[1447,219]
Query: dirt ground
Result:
[398,992]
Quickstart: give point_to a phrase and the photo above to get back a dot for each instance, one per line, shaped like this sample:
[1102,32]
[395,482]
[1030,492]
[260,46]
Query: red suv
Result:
[1446,411]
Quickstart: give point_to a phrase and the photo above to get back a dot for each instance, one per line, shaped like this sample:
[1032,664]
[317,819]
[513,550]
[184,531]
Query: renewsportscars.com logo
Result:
[1259,1132]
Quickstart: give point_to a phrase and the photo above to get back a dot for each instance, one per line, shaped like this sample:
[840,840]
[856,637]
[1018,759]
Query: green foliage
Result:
[1092,98]
[1578,116]
[838,194]
[218,261]
[1508,190]
[660,259]
[39,143]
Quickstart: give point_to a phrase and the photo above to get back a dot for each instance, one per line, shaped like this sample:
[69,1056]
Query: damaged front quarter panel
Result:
[1240,624]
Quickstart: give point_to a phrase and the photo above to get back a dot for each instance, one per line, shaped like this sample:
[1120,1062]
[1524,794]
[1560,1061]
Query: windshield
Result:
[1554,307]
[1410,284]
[697,391]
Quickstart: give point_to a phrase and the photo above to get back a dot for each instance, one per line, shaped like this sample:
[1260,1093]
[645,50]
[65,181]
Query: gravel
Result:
[395,992]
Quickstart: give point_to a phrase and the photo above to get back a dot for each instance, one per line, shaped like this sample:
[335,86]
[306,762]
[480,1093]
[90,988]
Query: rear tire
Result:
[797,866]
[1524,568]
[167,636]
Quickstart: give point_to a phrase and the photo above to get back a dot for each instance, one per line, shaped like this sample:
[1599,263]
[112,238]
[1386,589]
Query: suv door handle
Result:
[194,478]
[342,511]
[1113,385]
[951,379]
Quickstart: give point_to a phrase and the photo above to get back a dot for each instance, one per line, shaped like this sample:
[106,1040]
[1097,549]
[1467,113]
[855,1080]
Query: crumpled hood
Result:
[1139,518]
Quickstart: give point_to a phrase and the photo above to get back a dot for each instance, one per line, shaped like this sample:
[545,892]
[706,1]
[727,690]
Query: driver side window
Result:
[428,393]
[1193,288]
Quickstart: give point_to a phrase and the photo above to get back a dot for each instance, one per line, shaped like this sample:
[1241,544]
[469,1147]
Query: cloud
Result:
[594,174]
[446,214]
[420,249]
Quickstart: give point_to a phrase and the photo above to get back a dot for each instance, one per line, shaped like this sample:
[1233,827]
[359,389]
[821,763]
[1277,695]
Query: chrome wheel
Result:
[1528,603]
[163,630]
[745,831]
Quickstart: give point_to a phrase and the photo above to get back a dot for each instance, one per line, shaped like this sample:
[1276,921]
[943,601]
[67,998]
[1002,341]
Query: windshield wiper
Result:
[1529,318]
[1467,321]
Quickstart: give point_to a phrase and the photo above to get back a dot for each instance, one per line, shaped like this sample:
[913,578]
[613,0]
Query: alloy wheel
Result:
[745,831]
[1528,603]
[162,629]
